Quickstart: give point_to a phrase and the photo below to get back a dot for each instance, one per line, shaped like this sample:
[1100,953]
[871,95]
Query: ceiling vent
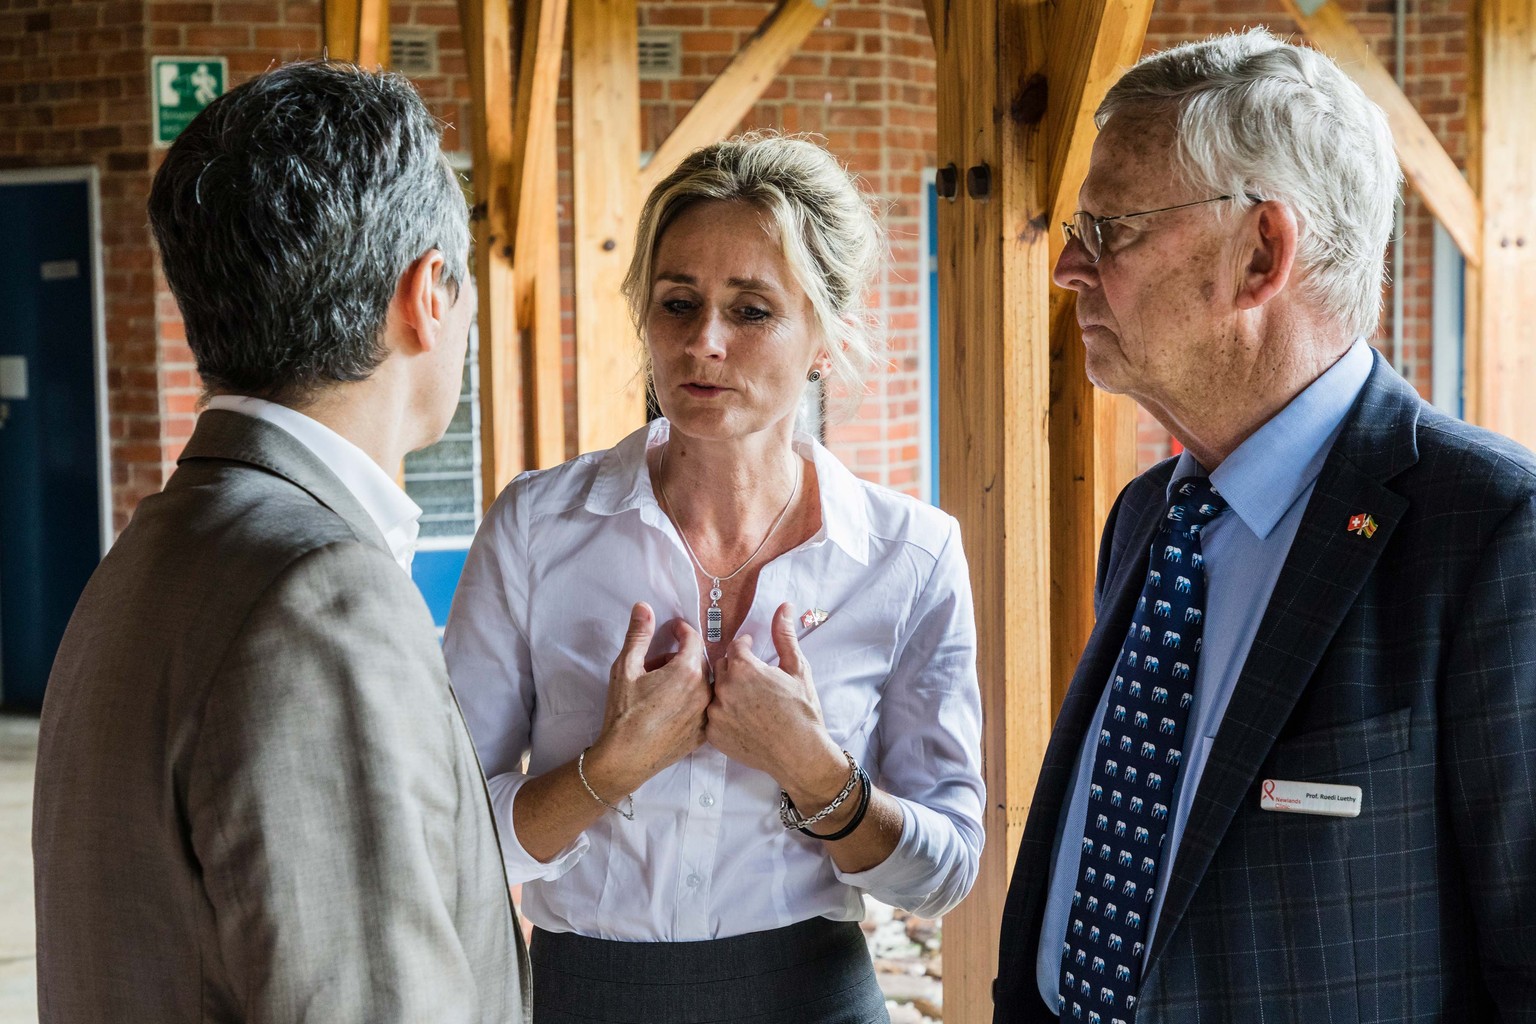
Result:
[413,51]
[660,53]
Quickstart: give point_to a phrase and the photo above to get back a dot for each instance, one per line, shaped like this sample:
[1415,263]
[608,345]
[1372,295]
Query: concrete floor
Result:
[18,931]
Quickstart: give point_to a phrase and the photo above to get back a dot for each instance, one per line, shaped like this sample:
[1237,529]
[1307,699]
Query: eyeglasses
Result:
[1085,226]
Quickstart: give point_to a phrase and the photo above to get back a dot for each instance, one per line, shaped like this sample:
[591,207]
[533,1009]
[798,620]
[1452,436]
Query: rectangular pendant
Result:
[713,619]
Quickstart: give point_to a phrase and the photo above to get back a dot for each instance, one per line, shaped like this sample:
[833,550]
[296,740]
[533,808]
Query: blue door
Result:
[50,475]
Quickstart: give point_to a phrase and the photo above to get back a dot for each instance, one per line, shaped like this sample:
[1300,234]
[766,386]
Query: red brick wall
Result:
[74,83]
[74,89]
[254,35]
[76,74]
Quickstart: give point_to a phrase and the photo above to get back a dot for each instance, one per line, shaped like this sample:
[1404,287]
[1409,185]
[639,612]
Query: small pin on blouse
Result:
[813,618]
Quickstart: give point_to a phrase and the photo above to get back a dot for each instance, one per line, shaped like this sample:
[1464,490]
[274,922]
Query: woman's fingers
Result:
[637,639]
[785,640]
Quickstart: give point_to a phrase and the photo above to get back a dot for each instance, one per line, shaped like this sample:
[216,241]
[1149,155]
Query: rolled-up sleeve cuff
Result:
[522,866]
[928,854]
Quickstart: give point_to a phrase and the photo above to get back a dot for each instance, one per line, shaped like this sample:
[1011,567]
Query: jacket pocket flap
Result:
[1337,748]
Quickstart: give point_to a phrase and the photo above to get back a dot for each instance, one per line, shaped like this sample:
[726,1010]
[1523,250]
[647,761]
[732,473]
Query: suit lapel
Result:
[1104,644]
[235,437]
[1052,795]
[1323,575]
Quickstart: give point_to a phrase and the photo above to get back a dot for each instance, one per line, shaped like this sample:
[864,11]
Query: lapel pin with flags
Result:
[813,618]
[1363,524]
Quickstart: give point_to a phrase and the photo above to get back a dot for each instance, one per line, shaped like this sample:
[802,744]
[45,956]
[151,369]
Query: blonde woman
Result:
[743,679]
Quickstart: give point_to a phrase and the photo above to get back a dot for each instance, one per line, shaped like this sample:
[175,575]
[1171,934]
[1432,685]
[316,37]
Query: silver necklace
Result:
[714,618]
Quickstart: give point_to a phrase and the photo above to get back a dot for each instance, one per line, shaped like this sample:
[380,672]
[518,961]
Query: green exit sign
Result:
[180,87]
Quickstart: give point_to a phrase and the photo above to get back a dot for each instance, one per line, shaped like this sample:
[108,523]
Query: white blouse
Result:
[539,617]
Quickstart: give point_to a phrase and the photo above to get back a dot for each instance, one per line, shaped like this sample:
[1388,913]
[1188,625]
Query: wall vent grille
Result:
[660,53]
[413,51]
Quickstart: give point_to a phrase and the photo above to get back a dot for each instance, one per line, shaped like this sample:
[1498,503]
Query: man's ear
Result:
[1271,254]
[420,301]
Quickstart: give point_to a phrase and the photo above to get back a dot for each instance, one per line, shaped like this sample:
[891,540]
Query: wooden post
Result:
[1501,295]
[358,31]
[605,150]
[1093,456]
[994,403]
[1092,434]
[488,52]
[536,232]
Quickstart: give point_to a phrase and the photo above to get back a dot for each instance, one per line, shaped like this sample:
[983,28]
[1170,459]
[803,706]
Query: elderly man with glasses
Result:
[1291,779]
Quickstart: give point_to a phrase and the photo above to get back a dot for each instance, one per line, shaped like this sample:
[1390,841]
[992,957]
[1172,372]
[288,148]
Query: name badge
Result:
[1310,798]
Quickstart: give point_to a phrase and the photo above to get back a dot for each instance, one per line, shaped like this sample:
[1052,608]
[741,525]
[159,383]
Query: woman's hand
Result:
[655,717]
[769,718]
[656,711]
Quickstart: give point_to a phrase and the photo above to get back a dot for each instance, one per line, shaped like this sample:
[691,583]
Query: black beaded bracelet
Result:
[858,814]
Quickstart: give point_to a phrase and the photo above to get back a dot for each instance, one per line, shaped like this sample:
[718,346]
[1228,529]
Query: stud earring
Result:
[813,376]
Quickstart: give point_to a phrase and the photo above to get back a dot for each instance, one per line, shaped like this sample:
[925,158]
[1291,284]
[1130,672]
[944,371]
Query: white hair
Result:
[1257,118]
[826,229]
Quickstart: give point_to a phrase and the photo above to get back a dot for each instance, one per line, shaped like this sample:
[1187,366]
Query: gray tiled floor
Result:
[18,934]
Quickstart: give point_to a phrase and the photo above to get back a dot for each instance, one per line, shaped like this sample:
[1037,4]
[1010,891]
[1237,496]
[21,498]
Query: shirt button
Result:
[694,881]
[706,800]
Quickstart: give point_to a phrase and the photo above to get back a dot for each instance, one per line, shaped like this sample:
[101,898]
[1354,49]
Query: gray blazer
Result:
[256,799]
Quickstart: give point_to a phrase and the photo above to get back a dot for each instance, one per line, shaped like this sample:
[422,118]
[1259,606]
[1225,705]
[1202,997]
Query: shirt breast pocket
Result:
[572,676]
[849,684]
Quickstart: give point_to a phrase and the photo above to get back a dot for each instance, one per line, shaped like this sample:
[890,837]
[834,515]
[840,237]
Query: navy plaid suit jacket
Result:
[1405,664]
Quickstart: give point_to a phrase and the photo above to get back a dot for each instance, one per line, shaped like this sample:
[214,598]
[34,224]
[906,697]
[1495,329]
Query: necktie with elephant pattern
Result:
[1136,767]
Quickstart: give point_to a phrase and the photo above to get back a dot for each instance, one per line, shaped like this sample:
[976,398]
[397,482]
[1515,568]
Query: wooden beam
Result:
[539,320]
[993,406]
[605,144]
[1093,43]
[1092,433]
[1426,165]
[536,231]
[338,38]
[732,94]
[936,12]
[357,31]
[373,33]
[488,53]
[1500,358]
[1093,456]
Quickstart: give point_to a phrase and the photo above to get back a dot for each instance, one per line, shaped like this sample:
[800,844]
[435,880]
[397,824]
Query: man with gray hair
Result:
[1291,779]
[256,799]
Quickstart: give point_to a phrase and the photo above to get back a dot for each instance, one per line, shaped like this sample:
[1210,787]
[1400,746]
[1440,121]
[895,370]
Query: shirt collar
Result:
[391,509]
[622,483]
[1271,469]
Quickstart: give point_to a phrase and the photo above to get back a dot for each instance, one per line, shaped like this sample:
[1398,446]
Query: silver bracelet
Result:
[581,770]
[790,818]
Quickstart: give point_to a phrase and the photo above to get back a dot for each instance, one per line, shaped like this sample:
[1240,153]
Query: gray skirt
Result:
[814,972]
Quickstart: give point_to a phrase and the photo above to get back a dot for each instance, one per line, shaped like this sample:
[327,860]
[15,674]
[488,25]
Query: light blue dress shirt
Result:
[1267,482]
